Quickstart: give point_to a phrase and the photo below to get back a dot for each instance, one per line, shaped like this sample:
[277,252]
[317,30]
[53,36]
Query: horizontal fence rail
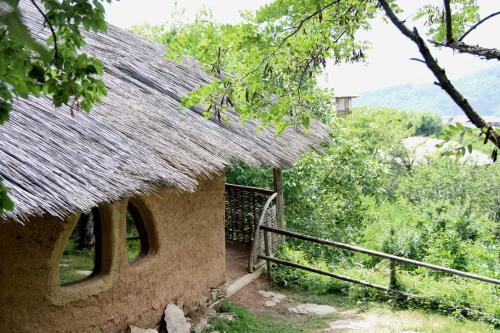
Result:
[330,274]
[392,258]
[250,189]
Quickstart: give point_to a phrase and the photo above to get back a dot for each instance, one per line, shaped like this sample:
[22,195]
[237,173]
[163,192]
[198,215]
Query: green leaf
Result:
[5,108]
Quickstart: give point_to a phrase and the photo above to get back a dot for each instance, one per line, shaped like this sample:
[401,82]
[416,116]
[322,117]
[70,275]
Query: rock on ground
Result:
[201,325]
[175,320]
[350,325]
[226,316]
[134,329]
[275,297]
[313,309]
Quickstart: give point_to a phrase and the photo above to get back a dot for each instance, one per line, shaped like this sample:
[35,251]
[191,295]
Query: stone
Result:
[210,312]
[201,325]
[175,320]
[226,316]
[214,295]
[275,297]
[316,309]
[350,325]
[264,293]
[270,303]
[134,329]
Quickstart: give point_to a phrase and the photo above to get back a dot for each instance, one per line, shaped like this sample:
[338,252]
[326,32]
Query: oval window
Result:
[137,236]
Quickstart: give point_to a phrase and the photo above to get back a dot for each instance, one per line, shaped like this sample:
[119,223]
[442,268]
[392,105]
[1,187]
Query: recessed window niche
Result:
[137,236]
[81,257]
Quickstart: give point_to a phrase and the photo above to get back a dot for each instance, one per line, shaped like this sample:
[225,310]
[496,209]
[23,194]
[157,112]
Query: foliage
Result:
[5,202]
[55,68]
[464,14]
[448,295]
[265,66]
[440,211]
[394,320]
[133,246]
[75,264]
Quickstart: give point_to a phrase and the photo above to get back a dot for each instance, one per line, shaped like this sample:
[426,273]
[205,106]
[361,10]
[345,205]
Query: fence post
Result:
[280,204]
[393,282]
[267,249]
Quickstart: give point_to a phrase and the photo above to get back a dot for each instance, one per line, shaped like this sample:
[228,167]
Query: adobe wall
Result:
[185,261]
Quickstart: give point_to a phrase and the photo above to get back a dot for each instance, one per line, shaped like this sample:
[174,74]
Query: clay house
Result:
[136,159]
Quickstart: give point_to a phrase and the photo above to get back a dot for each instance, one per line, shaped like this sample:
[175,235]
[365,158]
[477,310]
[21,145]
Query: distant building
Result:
[343,105]
[423,149]
[453,120]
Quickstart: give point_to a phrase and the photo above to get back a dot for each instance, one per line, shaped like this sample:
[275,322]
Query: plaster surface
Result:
[186,259]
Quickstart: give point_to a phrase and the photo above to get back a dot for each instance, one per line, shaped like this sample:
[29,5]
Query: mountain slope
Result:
[481,88]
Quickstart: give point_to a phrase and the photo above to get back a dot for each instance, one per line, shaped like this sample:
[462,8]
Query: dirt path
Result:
[334,315]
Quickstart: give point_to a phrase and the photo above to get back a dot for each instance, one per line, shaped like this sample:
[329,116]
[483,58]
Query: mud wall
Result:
[185,260]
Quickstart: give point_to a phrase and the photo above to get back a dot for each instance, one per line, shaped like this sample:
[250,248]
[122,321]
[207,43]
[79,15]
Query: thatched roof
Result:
[57,164]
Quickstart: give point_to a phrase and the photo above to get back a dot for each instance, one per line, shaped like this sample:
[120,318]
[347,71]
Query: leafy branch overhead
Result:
[445,28]
[266,66]
[54,67]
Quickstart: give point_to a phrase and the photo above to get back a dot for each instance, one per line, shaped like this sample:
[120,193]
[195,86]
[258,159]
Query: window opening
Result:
[81,257]
[137,238]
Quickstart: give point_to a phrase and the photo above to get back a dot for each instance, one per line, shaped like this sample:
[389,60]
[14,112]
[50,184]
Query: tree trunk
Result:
[86,238]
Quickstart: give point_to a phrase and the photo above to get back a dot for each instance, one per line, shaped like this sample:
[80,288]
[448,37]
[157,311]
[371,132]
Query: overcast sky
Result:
[388,59]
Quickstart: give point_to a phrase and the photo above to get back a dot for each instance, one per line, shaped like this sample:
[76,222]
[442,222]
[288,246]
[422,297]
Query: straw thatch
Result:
[58,164]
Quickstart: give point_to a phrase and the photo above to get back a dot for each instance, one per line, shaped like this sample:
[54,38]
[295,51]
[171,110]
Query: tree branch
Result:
[478,24]
[483,52]
[418,60]
[290,35]
[447,20]
[304,20]
[440,73]
[54,36]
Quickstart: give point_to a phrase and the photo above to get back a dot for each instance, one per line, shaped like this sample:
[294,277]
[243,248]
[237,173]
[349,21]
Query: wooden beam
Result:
[378,254]
[280,203]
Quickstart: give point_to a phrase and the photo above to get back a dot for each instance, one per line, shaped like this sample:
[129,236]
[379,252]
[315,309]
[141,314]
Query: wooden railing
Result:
[392,286]
[244,206]
[262,242]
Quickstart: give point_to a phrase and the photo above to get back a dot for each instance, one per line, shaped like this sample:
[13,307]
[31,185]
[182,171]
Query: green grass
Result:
[247,322]
[448,295]
[393,321]
[413,319]
[74,262]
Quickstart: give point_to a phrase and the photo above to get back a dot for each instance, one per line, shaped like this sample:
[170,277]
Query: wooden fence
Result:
[392,285]
[244,206]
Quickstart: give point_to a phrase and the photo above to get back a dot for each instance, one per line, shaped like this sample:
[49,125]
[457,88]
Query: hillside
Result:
[481,88]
